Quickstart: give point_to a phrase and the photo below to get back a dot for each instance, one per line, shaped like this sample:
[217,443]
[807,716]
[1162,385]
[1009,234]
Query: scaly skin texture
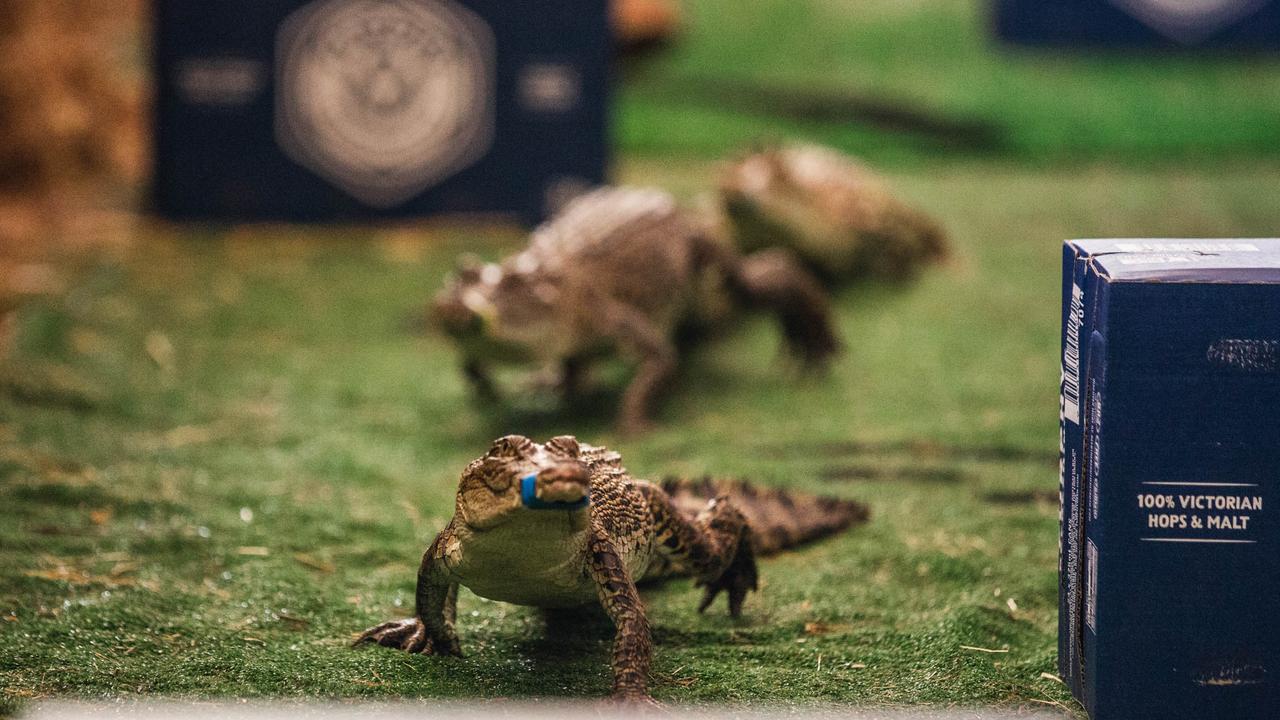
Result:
[552,550]
[620,270]
[839,217]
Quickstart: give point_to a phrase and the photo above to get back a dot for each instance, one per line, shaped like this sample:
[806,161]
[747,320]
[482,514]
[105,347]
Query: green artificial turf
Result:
[221,454]
[906,81]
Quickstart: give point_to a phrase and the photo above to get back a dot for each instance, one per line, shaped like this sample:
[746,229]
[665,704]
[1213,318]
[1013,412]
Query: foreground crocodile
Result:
[562,524]
[620,270]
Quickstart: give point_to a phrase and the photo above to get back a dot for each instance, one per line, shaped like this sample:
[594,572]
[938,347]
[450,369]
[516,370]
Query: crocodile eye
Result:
[510,447]
[565,445]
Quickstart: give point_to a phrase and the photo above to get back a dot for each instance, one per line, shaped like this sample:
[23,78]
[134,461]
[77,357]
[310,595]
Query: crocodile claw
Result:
[409,635]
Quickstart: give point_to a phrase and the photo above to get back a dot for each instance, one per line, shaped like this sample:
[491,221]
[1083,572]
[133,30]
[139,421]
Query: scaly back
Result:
[626,244]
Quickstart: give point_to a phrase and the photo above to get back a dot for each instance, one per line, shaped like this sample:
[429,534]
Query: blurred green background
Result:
[924,80]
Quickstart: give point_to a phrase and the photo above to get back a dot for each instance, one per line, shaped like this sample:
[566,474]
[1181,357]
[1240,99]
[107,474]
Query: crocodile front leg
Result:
[431,630]
[774,280]
[632,646]
[481,381]
[638,335]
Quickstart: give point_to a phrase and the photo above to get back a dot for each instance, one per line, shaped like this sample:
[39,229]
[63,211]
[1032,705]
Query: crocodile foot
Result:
[409,635]
[737,580]
[638,702]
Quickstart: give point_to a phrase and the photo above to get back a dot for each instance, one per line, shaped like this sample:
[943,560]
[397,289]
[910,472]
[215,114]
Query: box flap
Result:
[1189,260]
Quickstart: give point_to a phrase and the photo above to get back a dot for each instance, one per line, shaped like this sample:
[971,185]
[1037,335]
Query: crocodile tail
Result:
[779,519]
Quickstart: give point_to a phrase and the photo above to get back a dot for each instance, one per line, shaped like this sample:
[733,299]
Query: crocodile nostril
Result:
[560,491]
[567,482]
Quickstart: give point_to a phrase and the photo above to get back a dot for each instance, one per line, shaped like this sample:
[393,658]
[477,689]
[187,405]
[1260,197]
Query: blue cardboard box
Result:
[1170,422]
[1233,24]
[356,109]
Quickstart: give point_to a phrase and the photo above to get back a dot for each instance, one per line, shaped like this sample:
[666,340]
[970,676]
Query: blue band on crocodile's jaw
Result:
[529,496]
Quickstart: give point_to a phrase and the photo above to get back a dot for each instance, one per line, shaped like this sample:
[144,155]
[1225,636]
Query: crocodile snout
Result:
[455,318]
[563,483]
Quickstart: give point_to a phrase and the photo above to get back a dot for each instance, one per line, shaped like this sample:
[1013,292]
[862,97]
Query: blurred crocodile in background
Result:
[838,216]
[624,270]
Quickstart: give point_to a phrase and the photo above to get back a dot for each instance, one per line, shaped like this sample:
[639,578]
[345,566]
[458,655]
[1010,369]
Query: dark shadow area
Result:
[820,105]
[569,632]
[917,448]
[50,393]
[849,473]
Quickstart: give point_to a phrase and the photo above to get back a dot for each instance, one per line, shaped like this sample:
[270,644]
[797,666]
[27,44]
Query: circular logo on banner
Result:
[384,98]
[1189,21]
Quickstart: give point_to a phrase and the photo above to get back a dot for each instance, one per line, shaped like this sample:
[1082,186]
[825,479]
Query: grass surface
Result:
[905,80]
[221,455]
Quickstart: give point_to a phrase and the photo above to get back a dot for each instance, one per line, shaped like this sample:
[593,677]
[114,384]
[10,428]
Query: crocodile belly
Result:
[542,563]
[550,587]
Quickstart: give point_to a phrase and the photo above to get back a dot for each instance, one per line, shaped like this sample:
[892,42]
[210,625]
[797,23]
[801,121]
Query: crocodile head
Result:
[518,476]
[495,309]
[840,217]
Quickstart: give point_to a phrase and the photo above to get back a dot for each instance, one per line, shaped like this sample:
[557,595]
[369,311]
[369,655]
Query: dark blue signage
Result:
[1237,24]
[354,109]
